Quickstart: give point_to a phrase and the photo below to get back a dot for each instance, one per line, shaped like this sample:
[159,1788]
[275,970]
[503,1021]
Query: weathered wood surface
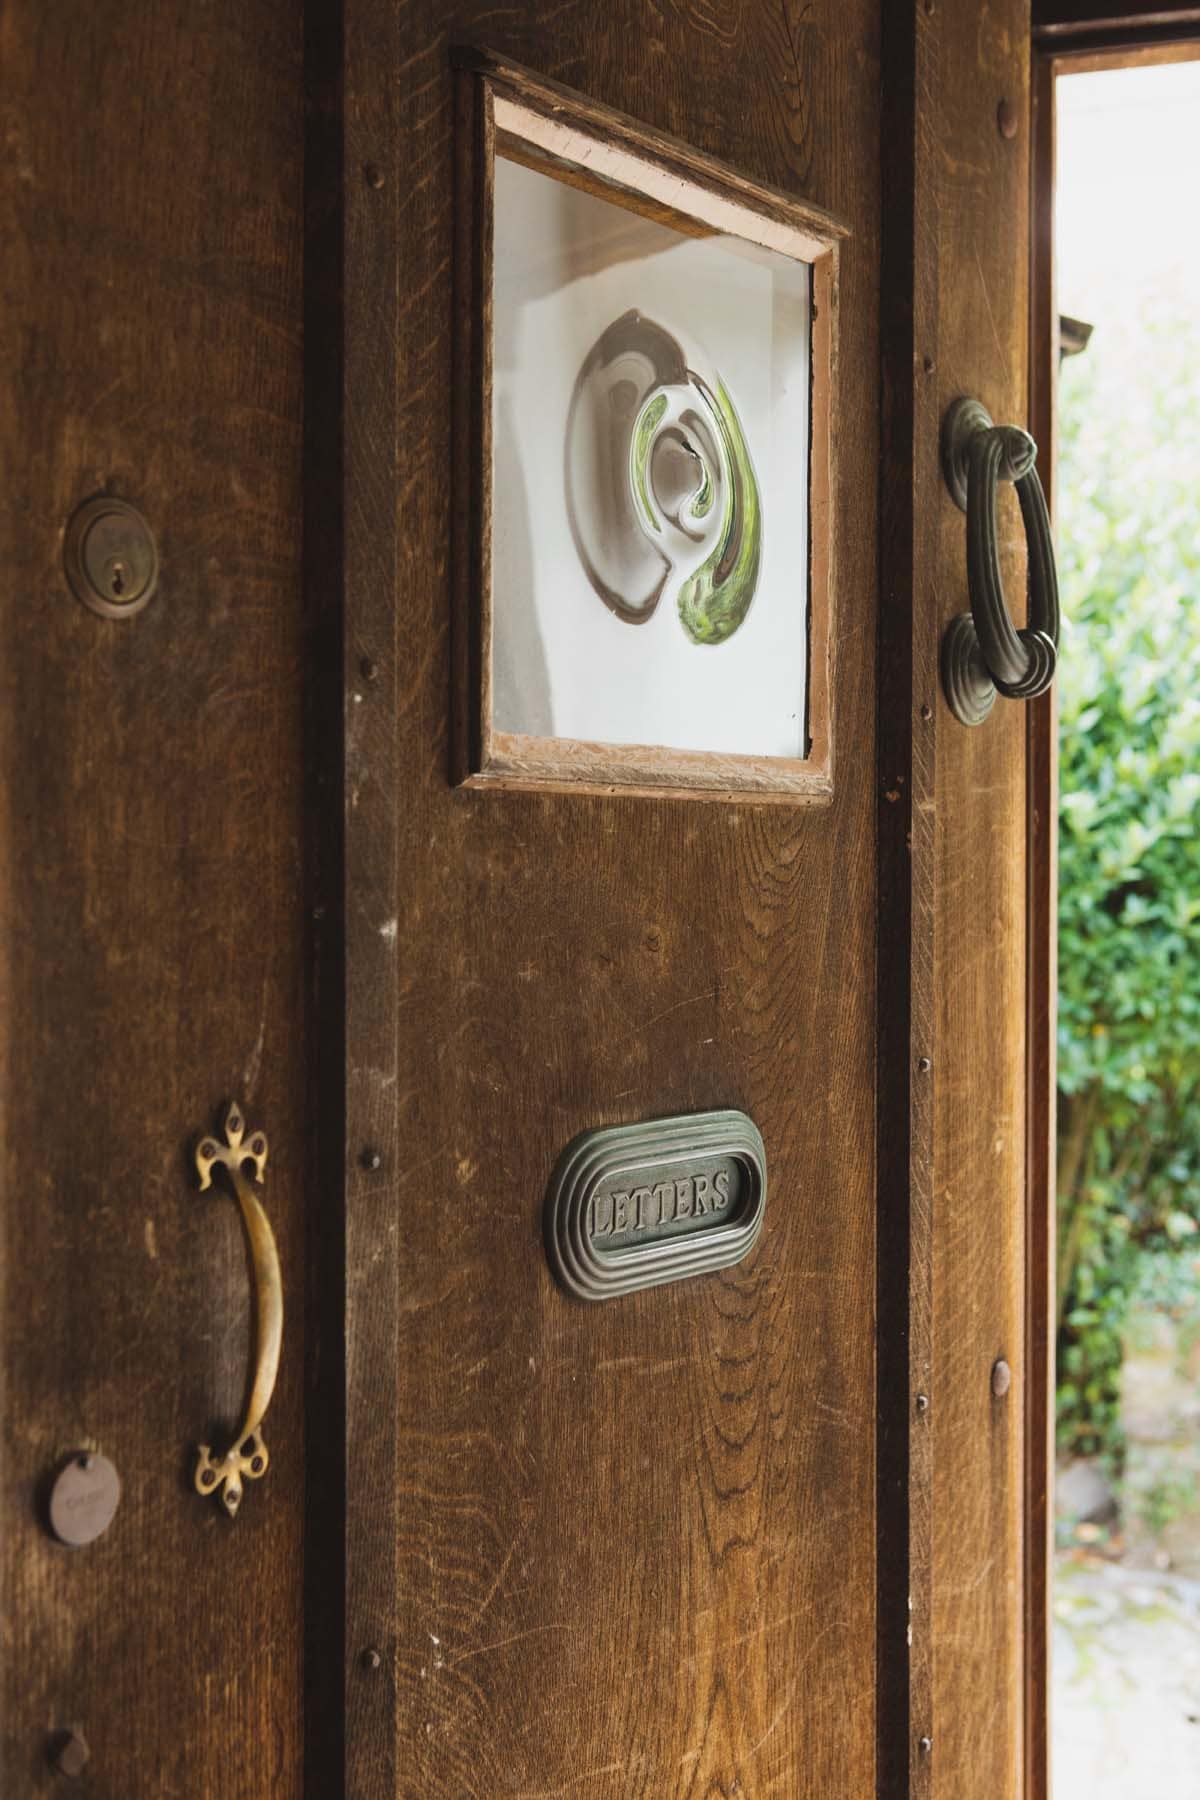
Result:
[1042,810]
[635,1542]
[910,718]
[980,179]
[151,879]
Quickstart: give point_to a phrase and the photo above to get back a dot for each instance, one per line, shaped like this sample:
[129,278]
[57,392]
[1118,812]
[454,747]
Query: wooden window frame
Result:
[504,109]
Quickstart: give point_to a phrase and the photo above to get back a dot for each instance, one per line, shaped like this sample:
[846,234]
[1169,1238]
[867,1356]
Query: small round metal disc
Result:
[84,1499]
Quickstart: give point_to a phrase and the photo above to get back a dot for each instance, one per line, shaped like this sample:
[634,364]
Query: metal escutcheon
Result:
[110,557]
[983,653]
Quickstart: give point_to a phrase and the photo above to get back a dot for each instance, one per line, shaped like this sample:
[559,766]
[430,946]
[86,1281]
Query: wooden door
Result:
[155,921]
[755,1533]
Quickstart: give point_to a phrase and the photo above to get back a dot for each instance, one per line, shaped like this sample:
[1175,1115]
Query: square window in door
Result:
[644,459]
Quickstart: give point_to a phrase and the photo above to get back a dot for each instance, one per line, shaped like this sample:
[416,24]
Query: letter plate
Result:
[633,1206]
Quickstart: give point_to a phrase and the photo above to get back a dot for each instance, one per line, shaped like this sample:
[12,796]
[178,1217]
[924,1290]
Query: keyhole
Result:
[118,580]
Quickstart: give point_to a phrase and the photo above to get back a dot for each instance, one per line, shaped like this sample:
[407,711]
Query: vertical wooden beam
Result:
[377,367]
[952,1137]
[1042,814]
[908,723]
[981,172]
[324,530]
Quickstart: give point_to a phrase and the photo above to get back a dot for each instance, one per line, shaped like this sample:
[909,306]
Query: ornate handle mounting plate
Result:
[246,1456]
[983,652]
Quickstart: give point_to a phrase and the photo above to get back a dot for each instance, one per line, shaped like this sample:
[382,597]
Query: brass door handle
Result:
[247,1454]
[983,653]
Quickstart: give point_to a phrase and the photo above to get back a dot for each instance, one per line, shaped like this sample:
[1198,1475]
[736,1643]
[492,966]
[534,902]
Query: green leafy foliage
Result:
[1129,847]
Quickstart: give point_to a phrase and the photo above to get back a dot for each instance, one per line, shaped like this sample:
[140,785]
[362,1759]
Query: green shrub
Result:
[1129,848]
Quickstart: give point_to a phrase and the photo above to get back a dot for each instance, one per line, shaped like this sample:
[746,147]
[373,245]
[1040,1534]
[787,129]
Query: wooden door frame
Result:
[1069,36]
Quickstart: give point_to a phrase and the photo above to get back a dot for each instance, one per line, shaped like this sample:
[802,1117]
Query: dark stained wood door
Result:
[153,884]
[756,1534]
[627,1549]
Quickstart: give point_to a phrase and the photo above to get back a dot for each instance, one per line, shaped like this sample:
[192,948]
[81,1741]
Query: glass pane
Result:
[650,478]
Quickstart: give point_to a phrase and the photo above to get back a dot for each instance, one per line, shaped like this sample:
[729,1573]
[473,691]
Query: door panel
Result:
[153,881]
[953,945]
[980,950]
[635,1541]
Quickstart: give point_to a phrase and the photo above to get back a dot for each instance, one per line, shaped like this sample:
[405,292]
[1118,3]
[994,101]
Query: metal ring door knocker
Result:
[983,652]
[247,1454]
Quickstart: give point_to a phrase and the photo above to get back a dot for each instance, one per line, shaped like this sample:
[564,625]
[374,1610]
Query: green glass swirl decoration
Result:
[661,490]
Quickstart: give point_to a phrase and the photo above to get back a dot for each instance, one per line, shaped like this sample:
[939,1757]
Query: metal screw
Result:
[370,1158]
[928,364]
[1001,1378]
[926,712]
[70,1753]
[925,1745]
[373,175]
[257,1464]
[1006,119]
[370,1659]
[922,1403]
[208,1478]
[368,668]
[924,1065]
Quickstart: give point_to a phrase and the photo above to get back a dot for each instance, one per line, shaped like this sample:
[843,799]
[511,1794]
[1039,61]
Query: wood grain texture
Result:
[635,1542]
[981,180]
[1042,1003]
[1070,24]
[1092,55]
[152,891]
[909,721]
[391,387]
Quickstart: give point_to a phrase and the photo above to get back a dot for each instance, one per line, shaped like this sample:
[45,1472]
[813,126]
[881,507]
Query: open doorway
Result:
[1126,1587]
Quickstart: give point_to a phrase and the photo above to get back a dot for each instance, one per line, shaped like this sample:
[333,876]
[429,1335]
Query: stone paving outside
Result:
[1126,1718]
[1126,1686]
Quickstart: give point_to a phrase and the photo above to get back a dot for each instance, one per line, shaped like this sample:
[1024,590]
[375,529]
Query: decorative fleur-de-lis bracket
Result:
[246,1457]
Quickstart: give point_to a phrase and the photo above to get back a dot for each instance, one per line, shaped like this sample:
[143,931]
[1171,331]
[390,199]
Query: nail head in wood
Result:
[1001,1378]
[69,1753]
[1006,119]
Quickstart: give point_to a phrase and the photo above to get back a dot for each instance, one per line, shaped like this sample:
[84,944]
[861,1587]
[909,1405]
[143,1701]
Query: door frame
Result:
[1069,36]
